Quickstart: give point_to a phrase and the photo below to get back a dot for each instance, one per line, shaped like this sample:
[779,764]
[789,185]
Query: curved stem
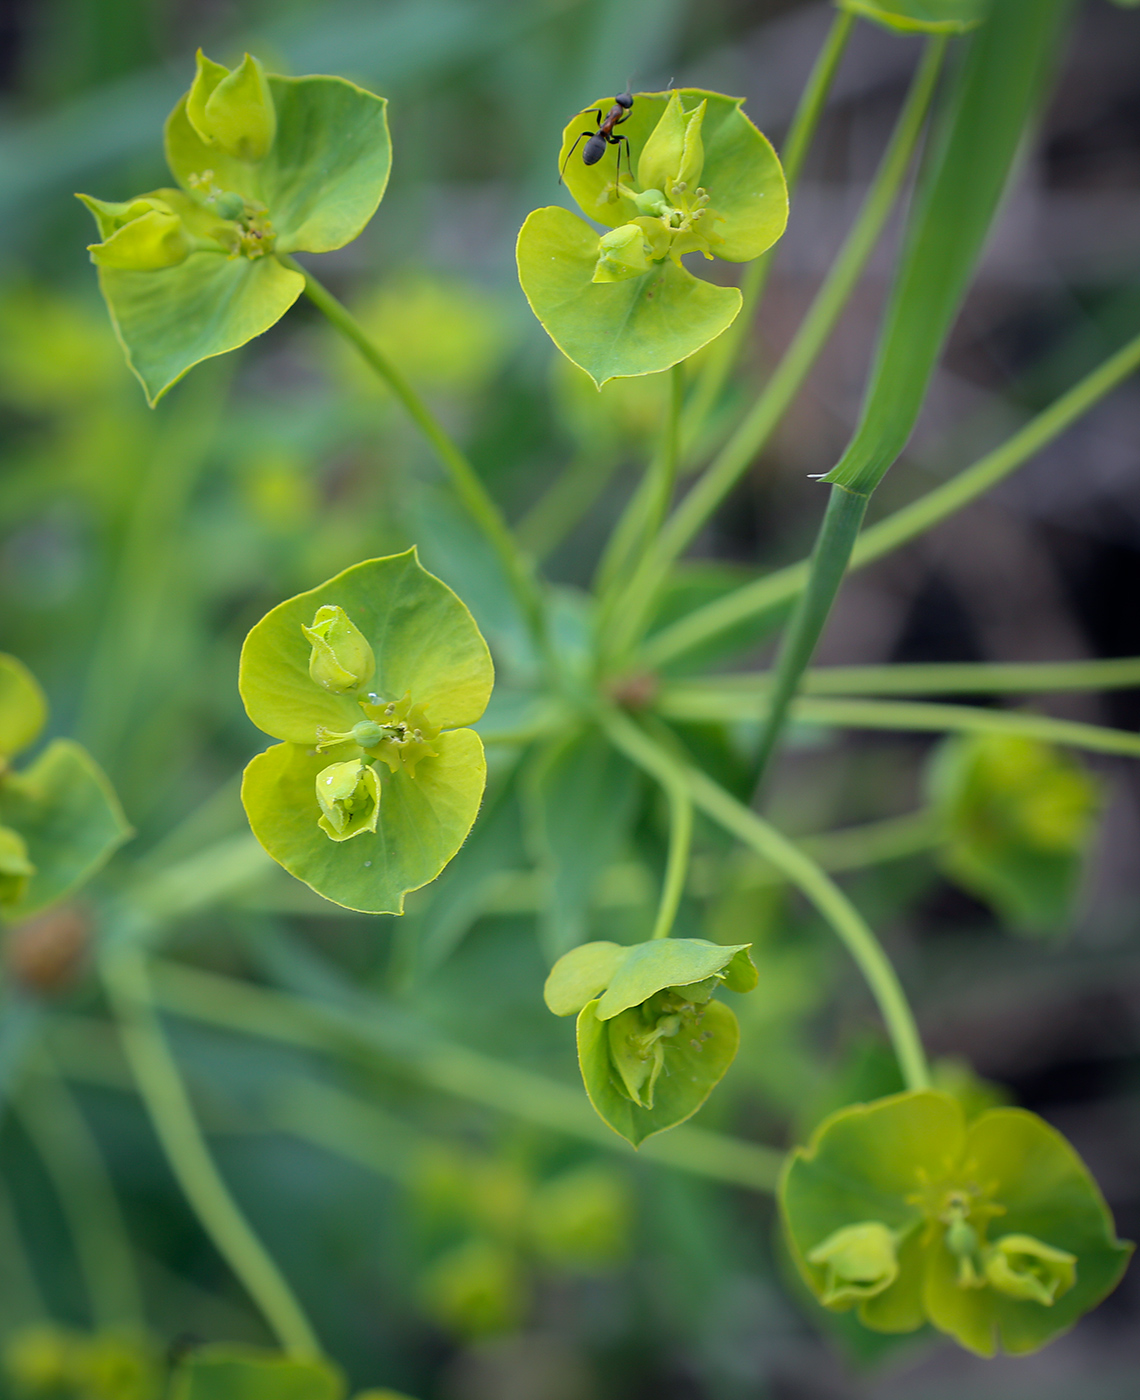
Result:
[70,1154]
[781,587]
[845,511]
[725,351]
[803,872]
[677,862]
[734,458]
[463,476]
[168,1104]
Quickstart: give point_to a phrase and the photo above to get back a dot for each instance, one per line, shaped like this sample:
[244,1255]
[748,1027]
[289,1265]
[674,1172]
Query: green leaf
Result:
[325,174]
[667,962]
[695,1061]
[638,326]
[921,16]
[423,821]
[1020,817]
[424,640]
[740,171]
[996,95]
[224,1372]
[581,975]
[23,709]
[580,793]
[171,319]
[69,817]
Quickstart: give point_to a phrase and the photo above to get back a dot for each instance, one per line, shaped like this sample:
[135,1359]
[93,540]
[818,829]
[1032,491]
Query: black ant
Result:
[604,136]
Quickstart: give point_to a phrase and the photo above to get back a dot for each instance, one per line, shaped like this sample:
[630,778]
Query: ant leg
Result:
[570,152]
[620,141]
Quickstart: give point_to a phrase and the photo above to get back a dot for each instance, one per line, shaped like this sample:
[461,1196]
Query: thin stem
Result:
[463,476]
[734,458]
[448,1068]
[726,350]
[940,678]
[171,1113]
[71,1157]
[844,515]
[677,862]
[693,704]
[642,520]
[642,517]
[804,873]
[779,588]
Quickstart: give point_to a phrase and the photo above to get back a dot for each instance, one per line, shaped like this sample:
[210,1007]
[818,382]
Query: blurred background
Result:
[443,1249]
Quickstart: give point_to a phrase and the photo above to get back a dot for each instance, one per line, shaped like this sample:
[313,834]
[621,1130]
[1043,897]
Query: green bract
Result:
[265,165]
[1020,816]
[222,1372]
[59,818]
[706,181]
[992,1230]
[921,16]
[652,1044]
[371,680]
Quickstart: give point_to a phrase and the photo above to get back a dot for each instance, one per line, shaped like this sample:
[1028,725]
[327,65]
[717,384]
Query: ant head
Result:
[624,99]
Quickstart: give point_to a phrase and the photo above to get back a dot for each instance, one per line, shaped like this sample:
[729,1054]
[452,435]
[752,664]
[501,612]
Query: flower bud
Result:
[622,253]
[651,202]
[349,798]
[15,867]
[674,154]
[341,660]
[233,110]
[142,234]
[1022,1267]
[861,1261]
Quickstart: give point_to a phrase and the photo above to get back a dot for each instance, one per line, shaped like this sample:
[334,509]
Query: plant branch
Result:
[801,871]
[734,458]
[168,1104]
[677,862]
[463,477]
[779,588]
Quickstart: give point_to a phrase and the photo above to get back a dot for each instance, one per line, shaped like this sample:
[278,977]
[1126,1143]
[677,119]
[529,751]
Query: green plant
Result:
[612,727]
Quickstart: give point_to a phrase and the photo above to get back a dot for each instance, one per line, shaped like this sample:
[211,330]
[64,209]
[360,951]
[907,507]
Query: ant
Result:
[604,136]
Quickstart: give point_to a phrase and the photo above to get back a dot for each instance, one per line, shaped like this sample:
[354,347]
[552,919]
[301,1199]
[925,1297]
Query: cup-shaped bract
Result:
[652,1044]
[921,16]
[265,165]
[1019,819]
[999,1232]
[233,111]
[408,773]
[706,181]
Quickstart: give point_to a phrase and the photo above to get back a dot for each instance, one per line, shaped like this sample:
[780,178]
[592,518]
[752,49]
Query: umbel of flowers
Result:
[700,179]
[371,680]
[264,166]
[992,1229]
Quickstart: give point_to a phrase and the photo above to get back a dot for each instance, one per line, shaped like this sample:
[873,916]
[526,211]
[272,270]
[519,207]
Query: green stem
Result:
[642,517]
[711,704]
[450,1069]
[171,1113]
[72,1159]
[464,479]
[803,872]
[779,588]
[841,521]
[677,862]
[641,522]
[939,678]
[726,350]
[20,1296]
[741,449]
